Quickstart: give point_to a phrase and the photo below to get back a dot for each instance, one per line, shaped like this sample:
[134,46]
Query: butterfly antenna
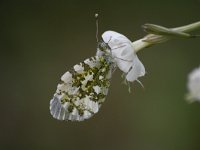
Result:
[97,27]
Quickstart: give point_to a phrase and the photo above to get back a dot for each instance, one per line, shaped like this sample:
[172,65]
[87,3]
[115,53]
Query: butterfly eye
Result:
[103,46]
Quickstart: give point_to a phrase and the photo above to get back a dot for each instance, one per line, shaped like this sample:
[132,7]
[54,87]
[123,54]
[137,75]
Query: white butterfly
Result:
[83,89]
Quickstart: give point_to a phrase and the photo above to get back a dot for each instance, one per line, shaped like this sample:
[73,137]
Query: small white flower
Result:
[79,68]
[124,55]
[194,85]
[67,77]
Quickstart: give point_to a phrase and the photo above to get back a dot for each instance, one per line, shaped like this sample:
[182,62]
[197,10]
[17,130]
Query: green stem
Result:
[188,28]
[152,39]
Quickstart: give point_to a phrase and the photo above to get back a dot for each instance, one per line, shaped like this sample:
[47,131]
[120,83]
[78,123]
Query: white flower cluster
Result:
[194,85]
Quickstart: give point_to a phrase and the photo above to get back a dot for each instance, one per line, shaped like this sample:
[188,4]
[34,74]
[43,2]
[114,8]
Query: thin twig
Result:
[152,39]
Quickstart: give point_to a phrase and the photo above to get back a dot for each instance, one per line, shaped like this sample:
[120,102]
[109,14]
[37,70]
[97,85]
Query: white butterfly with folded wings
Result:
[83,89]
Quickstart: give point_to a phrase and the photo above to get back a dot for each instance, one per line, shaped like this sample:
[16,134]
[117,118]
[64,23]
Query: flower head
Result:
[124,55]
[194,85]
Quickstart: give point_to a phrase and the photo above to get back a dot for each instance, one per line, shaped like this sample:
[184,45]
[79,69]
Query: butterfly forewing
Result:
[82,90]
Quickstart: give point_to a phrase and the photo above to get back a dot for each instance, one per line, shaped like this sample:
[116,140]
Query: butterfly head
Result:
[103,47]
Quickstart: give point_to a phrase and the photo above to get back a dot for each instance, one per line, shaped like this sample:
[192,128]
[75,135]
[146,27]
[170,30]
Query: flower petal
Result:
[124,55]
[137,70]
[194,84]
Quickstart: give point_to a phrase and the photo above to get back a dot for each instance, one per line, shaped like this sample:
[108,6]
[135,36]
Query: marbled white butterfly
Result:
[83,89]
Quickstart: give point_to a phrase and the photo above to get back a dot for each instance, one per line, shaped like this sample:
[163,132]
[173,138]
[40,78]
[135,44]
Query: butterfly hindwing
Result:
[82,90]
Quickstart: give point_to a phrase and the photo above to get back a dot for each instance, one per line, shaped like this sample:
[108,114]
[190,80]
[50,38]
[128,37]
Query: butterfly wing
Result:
[82,90]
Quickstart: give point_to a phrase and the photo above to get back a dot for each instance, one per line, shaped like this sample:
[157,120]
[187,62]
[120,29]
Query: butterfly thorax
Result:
[104,50]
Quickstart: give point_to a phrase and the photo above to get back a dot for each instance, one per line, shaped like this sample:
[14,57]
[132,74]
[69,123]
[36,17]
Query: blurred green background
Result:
[40,40]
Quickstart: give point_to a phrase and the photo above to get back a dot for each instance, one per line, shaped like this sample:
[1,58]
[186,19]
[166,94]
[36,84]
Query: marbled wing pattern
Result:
[82,90]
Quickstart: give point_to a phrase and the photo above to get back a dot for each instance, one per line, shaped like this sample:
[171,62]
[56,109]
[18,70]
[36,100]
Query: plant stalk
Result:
[159,34]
